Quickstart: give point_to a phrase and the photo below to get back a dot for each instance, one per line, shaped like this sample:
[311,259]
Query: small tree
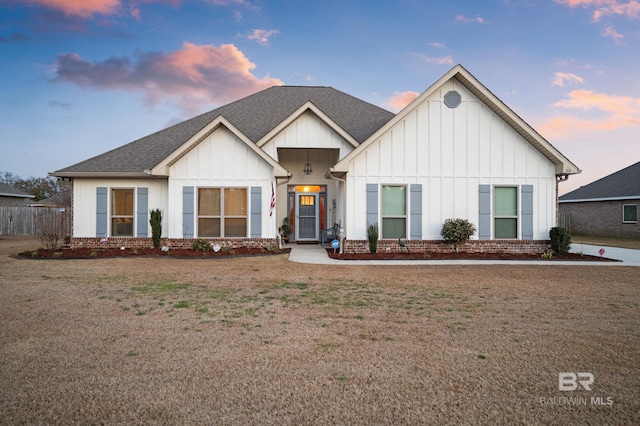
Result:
[372,234]
[457,231]
[156,226]
[560,240]
[50,224]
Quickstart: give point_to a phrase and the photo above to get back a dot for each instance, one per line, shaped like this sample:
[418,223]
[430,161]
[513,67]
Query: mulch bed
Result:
[93,253]
[465,256]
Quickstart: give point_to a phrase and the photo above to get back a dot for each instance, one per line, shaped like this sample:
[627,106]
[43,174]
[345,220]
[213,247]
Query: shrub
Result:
[50,228]
[560,240]
[372,234]
[200,244]
[156,226]
[457,231]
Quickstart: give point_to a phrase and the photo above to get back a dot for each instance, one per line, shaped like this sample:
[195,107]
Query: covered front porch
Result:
[310,202]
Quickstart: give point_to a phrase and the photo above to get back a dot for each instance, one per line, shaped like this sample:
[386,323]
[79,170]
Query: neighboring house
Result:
[455,151]
[607,207]
[12,197]
[57,201]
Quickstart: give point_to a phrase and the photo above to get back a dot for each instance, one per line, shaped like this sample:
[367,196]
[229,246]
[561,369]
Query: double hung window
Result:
[222,212]
[394,211]
[505,212]
[122,212]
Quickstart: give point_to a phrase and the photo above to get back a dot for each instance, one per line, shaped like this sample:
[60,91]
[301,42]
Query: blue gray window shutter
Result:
[527,212]
[256,211]
[142,213]
[415,190]
[372,203]
[188,205]
[484,218]
[101,212]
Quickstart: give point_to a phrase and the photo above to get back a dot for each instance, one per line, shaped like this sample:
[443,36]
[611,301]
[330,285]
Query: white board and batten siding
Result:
[222,160]
[450,152]
[308,131]
[86,194]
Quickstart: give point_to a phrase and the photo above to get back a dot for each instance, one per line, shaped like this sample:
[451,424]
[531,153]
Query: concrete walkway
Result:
[315,254]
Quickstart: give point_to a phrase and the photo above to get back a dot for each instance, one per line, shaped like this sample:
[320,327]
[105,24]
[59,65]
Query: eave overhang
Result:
[104,175]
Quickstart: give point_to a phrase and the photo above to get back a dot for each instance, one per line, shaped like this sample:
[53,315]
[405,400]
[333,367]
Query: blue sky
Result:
[81,77]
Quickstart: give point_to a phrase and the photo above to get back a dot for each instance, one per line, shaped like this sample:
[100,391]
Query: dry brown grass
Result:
[629,243]
[267,341]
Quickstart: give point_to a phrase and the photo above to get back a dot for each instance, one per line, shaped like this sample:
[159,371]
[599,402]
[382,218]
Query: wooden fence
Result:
[30,220]
[564,220]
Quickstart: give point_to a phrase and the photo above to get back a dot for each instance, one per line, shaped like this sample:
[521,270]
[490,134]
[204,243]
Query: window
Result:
[394,211]
[505,212]
[122,212]
[222,212]
[630,213]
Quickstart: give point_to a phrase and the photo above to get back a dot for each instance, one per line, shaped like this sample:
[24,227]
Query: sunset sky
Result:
[81,77]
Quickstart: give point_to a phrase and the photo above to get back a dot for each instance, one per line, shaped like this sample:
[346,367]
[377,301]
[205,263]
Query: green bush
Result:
[200,244]
[372,234]
[457,231]
[560,240]
[156,226]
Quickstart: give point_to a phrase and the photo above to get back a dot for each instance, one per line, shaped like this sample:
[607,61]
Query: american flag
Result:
[273,201]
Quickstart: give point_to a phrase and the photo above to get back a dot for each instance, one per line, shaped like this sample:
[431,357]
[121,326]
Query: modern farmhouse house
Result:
[318,157]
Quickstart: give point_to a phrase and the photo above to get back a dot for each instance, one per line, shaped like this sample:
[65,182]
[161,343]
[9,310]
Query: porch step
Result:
[308,242]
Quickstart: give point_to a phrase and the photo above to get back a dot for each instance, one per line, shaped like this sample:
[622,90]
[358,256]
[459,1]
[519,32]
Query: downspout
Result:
[559,178]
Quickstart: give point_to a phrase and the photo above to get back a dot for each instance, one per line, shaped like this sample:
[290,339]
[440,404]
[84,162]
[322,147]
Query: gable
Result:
[460,78]
[221,156]
[309,130]
[432,139]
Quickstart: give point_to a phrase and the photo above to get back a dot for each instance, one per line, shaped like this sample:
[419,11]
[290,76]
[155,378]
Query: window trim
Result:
[629,221]
[112,216]
[222,216]
[406,210]
[517,217]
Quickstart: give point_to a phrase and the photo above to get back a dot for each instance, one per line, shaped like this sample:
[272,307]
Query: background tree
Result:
[40,187]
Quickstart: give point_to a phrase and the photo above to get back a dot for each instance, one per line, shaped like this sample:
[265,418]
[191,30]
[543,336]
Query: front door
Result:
[307,216]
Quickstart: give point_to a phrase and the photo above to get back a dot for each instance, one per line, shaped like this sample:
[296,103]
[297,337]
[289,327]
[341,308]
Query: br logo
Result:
[570,381]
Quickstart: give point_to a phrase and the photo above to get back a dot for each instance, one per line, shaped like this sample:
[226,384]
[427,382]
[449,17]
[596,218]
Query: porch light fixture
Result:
[307,166]
[307,169]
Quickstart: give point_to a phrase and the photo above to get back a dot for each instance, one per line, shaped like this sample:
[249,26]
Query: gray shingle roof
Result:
[10,191]
[621,184]
[254,116]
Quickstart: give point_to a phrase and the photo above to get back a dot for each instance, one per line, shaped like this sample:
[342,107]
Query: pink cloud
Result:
[563,77]
[194,77]
[243,3]
[602,8]
[615,112]
[467,20]
[401,100]
[90,8]
[262,36]
[609,31]
[443,60]
[81,8]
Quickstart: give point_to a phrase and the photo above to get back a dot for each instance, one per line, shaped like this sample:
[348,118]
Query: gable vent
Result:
[452,99]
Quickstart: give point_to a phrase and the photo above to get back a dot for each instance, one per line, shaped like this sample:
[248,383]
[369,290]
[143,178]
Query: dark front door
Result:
[307,216]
